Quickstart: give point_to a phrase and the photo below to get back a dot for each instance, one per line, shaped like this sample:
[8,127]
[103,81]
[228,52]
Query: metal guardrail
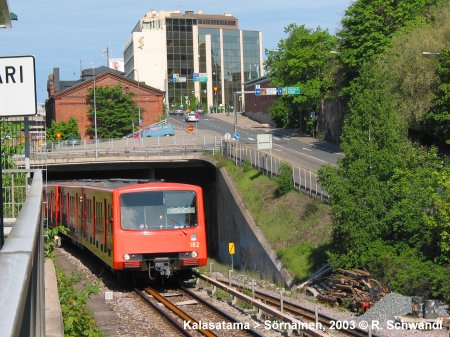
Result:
[22,310]
[304,180]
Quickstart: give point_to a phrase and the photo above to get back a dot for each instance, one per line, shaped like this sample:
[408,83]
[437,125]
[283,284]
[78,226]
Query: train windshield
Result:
[157,210]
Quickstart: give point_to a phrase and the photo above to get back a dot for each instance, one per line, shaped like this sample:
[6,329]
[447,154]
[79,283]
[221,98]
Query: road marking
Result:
[276,138]
[250,138]
[307,149]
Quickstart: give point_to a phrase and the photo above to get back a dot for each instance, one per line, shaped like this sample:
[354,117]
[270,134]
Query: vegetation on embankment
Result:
[78,319]
[297,227]
[390,197]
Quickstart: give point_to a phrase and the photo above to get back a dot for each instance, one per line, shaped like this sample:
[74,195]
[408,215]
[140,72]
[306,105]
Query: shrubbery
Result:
[285,179]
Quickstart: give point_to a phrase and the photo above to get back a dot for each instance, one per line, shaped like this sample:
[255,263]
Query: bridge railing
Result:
[128,147]
[304,180]
[22,310]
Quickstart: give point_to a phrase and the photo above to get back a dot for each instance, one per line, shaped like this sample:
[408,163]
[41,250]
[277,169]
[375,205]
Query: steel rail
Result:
[171,320]
[295,322]
[177,311]
[294,308]
[219,311]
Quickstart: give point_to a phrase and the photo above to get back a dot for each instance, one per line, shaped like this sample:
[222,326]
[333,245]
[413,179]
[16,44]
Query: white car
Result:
[191,117]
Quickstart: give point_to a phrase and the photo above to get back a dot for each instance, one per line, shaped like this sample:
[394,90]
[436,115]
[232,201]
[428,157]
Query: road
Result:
[304,151]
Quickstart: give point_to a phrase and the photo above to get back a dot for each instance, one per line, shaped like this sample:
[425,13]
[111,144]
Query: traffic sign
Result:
[227,137]
[258,92]
[280,91]
[190,128]
[231,248]
[195,77]
[236,136]
[293,90]
[17,86]
[264,141]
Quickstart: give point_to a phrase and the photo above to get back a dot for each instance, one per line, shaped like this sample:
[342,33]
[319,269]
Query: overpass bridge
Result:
[21,257]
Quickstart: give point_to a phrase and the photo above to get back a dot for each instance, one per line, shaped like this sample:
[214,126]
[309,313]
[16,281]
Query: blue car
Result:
[158,130]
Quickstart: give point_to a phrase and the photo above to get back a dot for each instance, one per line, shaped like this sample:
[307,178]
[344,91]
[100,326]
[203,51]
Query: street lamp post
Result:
[139,106]
[95,116]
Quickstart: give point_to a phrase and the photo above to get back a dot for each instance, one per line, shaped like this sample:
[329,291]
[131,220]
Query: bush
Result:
[405,271]
[246,166]
[78,320]
[285,180]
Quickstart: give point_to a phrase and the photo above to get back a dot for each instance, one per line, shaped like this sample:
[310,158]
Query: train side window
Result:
[109,218]
[99,215]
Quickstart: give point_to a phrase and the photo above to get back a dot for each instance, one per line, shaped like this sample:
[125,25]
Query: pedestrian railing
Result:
[304,180]
[22,310]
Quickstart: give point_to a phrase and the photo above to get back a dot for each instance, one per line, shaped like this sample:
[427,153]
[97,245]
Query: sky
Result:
[75,34]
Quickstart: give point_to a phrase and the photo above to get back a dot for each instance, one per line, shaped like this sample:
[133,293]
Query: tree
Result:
[437,122]
[367,29]
[373,145]
[389,199]
[116,112]
[302,60]
[67,129]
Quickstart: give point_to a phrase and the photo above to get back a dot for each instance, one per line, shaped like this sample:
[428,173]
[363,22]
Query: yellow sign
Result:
[231,248]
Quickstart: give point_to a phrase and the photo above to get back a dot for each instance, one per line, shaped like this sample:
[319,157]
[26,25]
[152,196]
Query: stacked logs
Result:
[354,288]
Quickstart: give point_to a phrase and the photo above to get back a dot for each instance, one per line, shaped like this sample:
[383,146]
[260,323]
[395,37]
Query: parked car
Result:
[72,141]
[191,117]
[156,130]
[177,112]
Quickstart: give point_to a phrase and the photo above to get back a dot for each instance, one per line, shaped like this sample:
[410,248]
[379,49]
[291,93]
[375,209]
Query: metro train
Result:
[135,227]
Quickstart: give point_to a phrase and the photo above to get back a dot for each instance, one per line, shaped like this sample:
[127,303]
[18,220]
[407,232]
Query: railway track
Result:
[191,315]
[283,305]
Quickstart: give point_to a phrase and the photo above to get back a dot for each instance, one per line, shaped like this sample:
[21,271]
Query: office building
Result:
[193,55]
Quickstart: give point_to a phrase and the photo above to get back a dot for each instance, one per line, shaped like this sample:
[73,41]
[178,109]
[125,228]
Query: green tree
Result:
[116,112]
[302,60]
[67,129]
[367,29]
[373,144]
[389,199]
[437,122]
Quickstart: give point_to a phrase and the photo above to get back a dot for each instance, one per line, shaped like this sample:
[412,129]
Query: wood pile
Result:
[355,288]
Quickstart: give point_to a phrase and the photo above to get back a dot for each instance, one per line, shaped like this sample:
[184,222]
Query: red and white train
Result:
[133,226]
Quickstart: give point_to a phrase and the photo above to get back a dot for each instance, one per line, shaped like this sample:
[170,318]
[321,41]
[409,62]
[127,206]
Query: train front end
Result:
[159,229]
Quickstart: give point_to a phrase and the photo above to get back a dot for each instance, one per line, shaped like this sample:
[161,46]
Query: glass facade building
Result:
[194,56]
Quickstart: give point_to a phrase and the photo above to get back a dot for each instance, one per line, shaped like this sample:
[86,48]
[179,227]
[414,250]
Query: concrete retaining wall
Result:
[234,224]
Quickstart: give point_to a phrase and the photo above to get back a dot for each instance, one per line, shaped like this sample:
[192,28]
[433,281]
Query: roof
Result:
[259,80]
[111,73]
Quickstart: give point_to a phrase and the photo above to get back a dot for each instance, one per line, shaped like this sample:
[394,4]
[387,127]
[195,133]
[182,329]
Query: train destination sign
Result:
[17,86]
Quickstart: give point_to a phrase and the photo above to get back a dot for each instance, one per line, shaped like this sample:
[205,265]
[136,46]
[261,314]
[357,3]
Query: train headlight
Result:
[126,257]
[194,254]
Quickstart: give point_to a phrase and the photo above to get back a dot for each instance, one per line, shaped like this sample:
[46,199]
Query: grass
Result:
[297,226]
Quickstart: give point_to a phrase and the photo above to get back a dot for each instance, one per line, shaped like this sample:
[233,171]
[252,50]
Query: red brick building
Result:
[257,107]
[69,98]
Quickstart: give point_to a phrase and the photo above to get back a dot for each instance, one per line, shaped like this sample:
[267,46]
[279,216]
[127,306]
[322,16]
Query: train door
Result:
[105,225]
[82,214]
[109,229]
